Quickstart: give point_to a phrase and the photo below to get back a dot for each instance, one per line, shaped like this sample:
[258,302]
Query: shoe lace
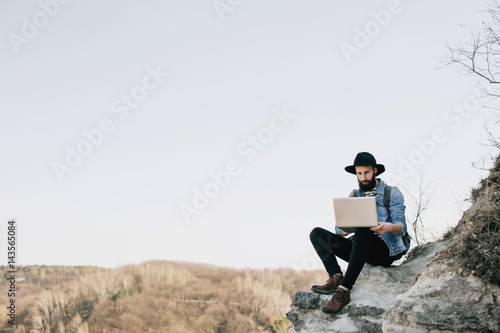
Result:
[338,295]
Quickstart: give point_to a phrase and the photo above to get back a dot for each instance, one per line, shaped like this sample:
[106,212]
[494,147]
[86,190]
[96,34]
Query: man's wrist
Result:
[395,228]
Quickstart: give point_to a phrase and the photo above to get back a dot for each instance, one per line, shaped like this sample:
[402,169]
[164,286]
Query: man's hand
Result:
[383,227]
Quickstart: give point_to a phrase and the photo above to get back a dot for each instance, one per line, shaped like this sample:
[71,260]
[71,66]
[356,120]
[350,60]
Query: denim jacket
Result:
[397,215]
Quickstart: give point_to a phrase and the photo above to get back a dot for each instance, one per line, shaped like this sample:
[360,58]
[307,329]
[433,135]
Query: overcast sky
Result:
[218,131]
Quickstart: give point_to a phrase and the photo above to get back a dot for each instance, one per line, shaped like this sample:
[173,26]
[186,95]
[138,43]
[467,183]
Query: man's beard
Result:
[368,186]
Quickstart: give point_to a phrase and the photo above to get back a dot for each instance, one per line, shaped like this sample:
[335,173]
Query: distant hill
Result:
[156,296]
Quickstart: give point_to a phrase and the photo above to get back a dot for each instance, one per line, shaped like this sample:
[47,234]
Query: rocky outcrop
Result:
[443,299]
[411,297]
[447,286]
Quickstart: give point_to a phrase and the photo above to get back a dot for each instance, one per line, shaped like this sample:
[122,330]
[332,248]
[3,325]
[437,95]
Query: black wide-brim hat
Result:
[365,159]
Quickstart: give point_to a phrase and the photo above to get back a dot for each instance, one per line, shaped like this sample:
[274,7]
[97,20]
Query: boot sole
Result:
[324,292]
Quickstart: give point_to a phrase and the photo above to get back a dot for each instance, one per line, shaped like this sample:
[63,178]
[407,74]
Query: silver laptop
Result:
[357,212]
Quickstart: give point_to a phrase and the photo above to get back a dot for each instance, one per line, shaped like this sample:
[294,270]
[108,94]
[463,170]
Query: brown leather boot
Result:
[337,302]
[330,286]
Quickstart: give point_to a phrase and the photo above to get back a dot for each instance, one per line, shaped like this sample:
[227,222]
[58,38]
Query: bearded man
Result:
[381,245]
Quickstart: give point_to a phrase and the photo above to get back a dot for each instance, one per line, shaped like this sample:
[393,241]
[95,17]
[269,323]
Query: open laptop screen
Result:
[355,212]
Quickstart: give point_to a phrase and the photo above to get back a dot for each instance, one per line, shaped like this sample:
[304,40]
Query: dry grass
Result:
[156,297]
[476,238]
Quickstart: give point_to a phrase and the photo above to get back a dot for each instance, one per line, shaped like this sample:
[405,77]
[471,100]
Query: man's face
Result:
[366,177]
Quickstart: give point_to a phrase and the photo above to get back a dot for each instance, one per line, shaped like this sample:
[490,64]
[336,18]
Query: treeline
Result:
[156,296]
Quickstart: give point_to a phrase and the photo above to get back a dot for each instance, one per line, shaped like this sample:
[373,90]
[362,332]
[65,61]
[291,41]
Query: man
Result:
[380,245]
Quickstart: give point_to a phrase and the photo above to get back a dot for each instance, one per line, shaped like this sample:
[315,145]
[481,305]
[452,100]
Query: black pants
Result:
[365,246]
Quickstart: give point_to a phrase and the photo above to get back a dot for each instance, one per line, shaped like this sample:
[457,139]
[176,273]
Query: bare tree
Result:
[481,55]
[420,203]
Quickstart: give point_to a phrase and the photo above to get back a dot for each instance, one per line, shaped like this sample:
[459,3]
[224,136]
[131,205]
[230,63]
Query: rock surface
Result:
[415,296]
[444,300]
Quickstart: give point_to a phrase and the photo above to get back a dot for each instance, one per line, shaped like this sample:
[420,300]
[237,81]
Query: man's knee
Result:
[315,234]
